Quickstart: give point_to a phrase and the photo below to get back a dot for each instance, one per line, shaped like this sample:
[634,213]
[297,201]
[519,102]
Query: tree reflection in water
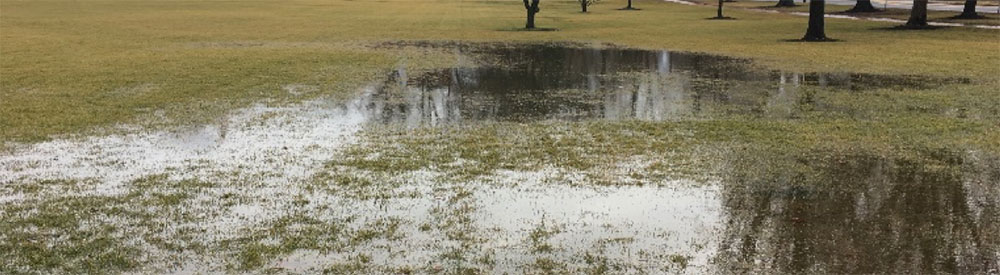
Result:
[862,214]
[547,83]
[830,212]
[543,82]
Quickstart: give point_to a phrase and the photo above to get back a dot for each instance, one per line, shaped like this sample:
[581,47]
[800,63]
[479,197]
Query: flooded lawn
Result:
[547,158]
[555,82]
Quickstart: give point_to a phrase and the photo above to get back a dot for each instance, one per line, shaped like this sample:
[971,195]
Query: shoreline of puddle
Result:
[669,226]
[579,84]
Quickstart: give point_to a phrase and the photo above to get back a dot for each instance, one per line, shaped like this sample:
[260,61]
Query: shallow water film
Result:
[544,82]
[541,158]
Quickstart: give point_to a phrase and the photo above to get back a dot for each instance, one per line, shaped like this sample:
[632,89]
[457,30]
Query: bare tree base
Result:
[862,10]
[800,40]
[914,27]
[817,39]
[537,29]
[968,16]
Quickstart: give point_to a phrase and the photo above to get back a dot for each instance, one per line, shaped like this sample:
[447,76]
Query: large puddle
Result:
[543,82]
[857,214]
[864,214]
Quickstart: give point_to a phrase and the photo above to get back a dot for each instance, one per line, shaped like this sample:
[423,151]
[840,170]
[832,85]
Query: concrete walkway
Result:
[851,2]
[901,4]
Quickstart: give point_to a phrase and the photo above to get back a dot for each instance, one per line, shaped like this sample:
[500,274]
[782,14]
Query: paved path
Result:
[828,15]
[902,4]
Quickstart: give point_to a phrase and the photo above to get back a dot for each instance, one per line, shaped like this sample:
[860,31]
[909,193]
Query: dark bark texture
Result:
[719,12]
[816,31]
[969,12]
[785,3]
[532,9]
[863,6]
[918,14]
[629,6]
[583,5]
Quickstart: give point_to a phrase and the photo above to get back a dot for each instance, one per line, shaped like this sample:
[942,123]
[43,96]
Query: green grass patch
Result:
[71,67]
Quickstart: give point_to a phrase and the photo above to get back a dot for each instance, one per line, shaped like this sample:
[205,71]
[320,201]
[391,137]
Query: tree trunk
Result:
[816,31]
[970,10]
[918,14]
[532,9]
[629,6]
[531,20]
[863,6]
[785,3]
[583,5]
[719,12]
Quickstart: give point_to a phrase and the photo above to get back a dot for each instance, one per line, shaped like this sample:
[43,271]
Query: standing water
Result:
[259,190]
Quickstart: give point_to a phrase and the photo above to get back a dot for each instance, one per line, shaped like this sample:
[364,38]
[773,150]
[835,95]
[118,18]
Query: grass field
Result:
[72,70]
[83,65]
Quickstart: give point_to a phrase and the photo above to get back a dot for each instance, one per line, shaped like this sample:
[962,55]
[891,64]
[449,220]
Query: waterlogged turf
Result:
[533,158]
